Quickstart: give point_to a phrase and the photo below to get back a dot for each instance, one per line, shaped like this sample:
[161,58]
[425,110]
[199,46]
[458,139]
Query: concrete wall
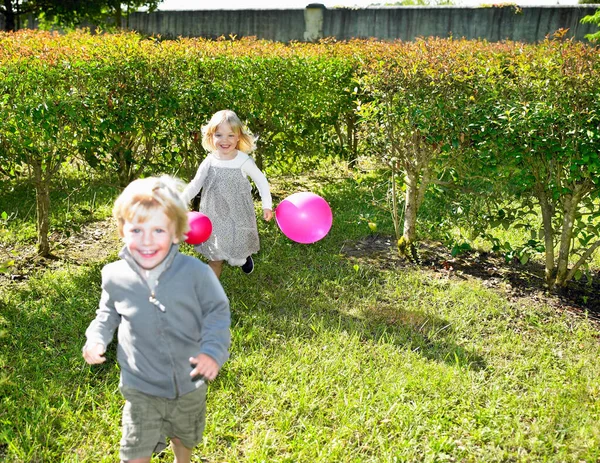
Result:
[277,25]
[528,24]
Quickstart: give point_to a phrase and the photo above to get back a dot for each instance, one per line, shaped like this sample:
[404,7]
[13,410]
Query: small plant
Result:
[370,221]
[521,254]
[460,248]
[409,250]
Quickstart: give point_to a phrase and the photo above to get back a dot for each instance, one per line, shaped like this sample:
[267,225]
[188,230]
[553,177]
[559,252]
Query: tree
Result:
[12,10]
[543,131]
[99,12]
[39,111]
[592,19]
[71,12]
[415,92]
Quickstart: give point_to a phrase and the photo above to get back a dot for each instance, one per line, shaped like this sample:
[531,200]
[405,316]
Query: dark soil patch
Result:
[98,240]
[95,242]
[516,280]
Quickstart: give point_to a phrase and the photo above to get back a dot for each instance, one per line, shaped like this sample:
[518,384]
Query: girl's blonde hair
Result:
[247,142]
[142,197]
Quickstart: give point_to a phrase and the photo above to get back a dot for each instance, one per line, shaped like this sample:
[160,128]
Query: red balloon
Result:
[200,228]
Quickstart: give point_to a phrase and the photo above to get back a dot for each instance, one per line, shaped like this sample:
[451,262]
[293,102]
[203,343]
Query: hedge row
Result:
[133,103]
[523,117]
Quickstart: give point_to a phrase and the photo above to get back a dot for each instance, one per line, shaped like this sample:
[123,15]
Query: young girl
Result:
[226,193]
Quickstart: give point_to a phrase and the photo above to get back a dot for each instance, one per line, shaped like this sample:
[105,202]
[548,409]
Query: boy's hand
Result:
[267,214]
[94,354]
[204,366]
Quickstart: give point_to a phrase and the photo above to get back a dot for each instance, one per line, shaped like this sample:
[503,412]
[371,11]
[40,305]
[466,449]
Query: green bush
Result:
[507,123]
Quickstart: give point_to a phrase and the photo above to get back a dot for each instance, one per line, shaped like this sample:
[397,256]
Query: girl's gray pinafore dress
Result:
[226,200]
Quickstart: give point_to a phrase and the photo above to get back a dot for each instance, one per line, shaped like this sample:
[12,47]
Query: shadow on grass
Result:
[525,281]
[294,288]
[352,204]
[424,334]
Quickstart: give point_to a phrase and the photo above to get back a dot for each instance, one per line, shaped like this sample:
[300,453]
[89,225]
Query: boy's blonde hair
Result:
[247,142]
[142,197]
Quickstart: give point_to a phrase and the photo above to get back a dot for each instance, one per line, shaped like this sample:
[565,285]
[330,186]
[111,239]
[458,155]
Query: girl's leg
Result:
[217,266]
[182,453]
[138,460]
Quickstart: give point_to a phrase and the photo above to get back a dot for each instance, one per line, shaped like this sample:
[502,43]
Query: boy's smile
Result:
[149,241]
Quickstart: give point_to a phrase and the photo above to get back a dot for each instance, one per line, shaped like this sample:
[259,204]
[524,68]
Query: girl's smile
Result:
[226,141]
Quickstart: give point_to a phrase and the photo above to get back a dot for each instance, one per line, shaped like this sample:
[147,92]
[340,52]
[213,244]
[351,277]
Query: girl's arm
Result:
[249,168]
[195,185]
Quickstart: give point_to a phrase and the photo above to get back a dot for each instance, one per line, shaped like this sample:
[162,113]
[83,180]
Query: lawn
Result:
[342,351]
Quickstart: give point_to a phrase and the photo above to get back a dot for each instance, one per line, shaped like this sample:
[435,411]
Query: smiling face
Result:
[226,140]
[149,241]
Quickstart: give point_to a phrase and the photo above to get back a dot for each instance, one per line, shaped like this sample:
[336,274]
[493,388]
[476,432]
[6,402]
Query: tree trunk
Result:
[423,184]
[410,206]
[257,155]
[126,161]
[9,16]
[395,204]
[569,209]
[124,170]
[42,200]
[547,214]
[118,15]
[586,255]
[351,137]
[348,141]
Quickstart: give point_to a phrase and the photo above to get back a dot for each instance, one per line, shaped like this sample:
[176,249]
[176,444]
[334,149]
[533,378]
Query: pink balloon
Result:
[200,228]
[304,217]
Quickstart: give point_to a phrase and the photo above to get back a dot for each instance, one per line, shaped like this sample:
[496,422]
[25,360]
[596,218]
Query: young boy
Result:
[173,319]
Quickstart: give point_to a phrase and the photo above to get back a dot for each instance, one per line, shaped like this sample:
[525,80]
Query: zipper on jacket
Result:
[156,302]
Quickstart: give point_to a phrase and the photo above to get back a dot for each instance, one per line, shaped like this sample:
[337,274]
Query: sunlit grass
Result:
[332,361]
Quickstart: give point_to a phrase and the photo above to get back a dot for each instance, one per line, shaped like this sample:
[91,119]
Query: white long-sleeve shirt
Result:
[241,161]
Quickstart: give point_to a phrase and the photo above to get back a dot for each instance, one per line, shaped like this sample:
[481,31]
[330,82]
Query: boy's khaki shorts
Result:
[146,418]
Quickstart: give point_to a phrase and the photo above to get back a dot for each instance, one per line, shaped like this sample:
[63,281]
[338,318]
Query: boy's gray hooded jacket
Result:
[186,314]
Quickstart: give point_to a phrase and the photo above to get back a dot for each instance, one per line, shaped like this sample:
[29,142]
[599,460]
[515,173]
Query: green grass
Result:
[73,202]
[332,360]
